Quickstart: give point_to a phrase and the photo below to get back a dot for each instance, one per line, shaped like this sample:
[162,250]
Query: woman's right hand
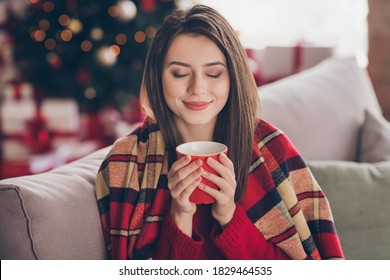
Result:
[183,177]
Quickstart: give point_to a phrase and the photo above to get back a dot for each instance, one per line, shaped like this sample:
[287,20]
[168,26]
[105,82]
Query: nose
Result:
[197,85]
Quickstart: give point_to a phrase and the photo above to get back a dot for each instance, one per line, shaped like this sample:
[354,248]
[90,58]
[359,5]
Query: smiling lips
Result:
[197,106]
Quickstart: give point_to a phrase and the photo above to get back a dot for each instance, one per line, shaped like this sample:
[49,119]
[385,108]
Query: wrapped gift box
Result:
[276,62]
[18,91]
[14,117]
[23,125]
[43,162]
[63,121]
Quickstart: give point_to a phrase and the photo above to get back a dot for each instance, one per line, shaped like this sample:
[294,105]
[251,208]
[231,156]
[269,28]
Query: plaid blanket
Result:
[283,199]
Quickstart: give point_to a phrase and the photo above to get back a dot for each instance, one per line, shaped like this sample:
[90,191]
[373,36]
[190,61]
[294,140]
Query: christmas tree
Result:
[90,50]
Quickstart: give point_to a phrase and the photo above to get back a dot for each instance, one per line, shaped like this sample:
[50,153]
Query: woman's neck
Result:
[192,133]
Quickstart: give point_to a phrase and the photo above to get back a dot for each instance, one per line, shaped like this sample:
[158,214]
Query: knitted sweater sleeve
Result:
[174,244]
[241,240]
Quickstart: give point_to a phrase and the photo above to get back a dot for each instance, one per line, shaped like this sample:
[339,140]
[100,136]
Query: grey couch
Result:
[53,215]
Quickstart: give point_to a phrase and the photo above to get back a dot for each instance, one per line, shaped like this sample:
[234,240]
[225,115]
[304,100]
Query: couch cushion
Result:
[53,215]
[359,195]
[321,109]
[375,139]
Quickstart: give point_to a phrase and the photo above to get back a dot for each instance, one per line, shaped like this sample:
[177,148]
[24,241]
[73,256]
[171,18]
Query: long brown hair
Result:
[237,121]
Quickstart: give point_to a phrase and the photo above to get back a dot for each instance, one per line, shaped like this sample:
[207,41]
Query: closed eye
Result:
[176,75]
[214,76]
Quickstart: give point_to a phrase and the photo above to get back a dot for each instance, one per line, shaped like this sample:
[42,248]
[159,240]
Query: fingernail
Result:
[210,160]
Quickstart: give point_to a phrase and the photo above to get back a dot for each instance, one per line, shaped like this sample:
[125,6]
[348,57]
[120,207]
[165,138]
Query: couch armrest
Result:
[53,215]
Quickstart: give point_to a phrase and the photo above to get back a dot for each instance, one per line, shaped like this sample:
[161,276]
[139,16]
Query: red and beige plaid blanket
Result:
[283,199]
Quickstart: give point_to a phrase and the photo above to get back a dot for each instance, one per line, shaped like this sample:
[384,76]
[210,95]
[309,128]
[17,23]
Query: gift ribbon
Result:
[58,134]
[298,65]
[39,141]
[17,91]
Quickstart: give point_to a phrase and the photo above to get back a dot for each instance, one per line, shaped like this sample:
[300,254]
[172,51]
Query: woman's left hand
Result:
[224,206]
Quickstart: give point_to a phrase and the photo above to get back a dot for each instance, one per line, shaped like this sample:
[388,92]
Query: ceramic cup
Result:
[202,150]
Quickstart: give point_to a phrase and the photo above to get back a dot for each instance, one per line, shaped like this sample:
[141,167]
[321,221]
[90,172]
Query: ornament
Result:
[106,57]
[148,6]
[127,10]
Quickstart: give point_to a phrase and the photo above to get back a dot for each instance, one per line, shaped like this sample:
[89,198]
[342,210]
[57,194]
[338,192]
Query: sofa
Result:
[331,114]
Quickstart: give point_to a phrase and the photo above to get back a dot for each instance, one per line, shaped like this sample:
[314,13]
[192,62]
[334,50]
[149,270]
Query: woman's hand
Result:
[224,206]
[183,177]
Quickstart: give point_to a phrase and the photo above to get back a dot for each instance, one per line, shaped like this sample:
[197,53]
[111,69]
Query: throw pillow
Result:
[321,109]
[375,139]
[359,195]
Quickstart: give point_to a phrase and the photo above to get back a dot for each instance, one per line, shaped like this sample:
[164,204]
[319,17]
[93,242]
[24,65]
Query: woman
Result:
[197,85]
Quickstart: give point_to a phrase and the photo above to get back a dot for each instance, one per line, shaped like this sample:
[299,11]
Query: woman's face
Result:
[195,81]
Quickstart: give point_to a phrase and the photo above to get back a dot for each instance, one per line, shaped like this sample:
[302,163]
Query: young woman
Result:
[197,86]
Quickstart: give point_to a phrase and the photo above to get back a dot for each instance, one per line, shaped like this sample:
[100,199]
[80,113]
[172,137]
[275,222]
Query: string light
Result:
[115,50]
[86,45]
[127,10]
[106,57]
[66,35]
[64,20]
[39,35]
[121,39]
[150,32]
[97,33]
[54,60]
[44,24]
[50,44]
[48,7]
[139,36]
[90,93]
[75,25]
[114,11]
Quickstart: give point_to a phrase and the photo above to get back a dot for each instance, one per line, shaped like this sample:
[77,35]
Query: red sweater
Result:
[240,240]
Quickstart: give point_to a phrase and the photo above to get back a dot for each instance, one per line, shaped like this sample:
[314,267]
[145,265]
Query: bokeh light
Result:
[140,36]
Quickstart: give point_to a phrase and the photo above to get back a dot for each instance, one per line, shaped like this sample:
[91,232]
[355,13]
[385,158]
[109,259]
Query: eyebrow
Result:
[188,65]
